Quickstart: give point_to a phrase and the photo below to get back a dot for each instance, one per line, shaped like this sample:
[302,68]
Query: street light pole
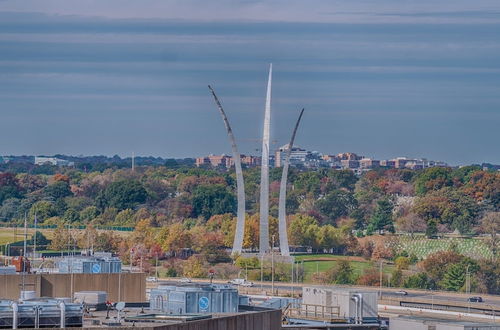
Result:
[272,266]
[467,286]
[380,287]
[156,266]
[261,271]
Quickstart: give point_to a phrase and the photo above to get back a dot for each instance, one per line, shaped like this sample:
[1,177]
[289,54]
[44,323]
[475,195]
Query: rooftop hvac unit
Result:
[40,313]
[195,299]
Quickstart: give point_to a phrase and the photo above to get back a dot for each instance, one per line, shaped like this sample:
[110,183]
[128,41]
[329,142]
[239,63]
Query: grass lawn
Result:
[421,246]
[323,262]
[8,235]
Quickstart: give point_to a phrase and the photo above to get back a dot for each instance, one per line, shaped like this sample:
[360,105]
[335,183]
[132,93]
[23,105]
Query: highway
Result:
[437,297]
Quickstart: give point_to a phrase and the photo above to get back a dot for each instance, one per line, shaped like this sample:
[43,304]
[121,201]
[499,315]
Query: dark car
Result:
[475,299]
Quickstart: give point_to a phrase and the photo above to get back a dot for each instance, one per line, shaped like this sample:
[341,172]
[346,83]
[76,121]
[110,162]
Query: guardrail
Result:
[442,304]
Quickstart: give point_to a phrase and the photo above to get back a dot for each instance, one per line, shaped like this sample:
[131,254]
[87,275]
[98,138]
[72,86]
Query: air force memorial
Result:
[264,246]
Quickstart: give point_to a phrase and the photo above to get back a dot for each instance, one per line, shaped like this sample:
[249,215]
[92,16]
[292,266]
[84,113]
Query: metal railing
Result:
[312,312]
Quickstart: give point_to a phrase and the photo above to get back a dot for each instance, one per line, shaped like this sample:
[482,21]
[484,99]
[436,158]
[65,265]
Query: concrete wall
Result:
[262,320]
[407,324]
[133,285]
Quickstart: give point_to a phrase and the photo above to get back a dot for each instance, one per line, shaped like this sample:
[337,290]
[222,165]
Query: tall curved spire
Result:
[285,249]
[264,172]
[240,185]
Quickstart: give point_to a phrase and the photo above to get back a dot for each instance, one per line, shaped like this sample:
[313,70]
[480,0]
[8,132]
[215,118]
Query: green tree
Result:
[43,211]
[251,262]
[337,204]
[397,277]
[454,278]
[9,187]
[60,238]
[345,179]
[125,194]
[308,182]
[124,218]
[41,240]
[419,281]
[71,216]
[433,178]
[490,224]
[303,230]
[342,273]
[448,206]
[209,200]
[194,267]
[463,174]
[57,190]
[382,218]
[88,214]
[329,237]
[489,275]
[431,229]
[10,210]
[402,262]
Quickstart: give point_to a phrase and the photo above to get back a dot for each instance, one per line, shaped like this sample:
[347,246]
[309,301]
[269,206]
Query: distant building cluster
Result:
[227,161]
[303,158]
[52,161]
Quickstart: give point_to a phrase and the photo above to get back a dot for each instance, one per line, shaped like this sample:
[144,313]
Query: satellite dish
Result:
[120,306]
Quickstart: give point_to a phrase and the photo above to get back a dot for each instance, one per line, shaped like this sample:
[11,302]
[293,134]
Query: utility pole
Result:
[467,286]
[34,239]
[156,265]
[261,271]
[24,251]
[133,161]
[467,280]
[303,271]
[131,251]
[272,265]
[380,289]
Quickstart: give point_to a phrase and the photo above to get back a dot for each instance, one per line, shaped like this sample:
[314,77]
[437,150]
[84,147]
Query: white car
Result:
[151,279]
[185,280]
[241,281]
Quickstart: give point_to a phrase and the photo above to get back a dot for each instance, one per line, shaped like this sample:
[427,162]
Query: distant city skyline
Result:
[382,79]
[249,159]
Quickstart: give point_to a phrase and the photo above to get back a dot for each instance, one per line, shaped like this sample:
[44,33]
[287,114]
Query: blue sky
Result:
[380,78]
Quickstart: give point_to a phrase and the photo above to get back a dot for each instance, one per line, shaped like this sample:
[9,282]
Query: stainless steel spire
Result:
[240,185]
[285,250]
[264,174]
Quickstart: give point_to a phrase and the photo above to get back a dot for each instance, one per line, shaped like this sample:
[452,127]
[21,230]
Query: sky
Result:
[382,78]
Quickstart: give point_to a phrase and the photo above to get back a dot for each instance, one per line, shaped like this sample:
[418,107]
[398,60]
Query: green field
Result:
[10,235]
[323,262]
[421,246]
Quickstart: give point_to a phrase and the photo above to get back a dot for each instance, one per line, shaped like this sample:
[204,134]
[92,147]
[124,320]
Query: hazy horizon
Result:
[381,79]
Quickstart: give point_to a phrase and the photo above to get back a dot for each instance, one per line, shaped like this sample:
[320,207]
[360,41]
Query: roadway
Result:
[434,296]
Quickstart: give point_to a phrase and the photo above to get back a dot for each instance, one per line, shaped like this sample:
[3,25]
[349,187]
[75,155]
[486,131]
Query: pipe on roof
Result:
[62,308]
[15,314]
